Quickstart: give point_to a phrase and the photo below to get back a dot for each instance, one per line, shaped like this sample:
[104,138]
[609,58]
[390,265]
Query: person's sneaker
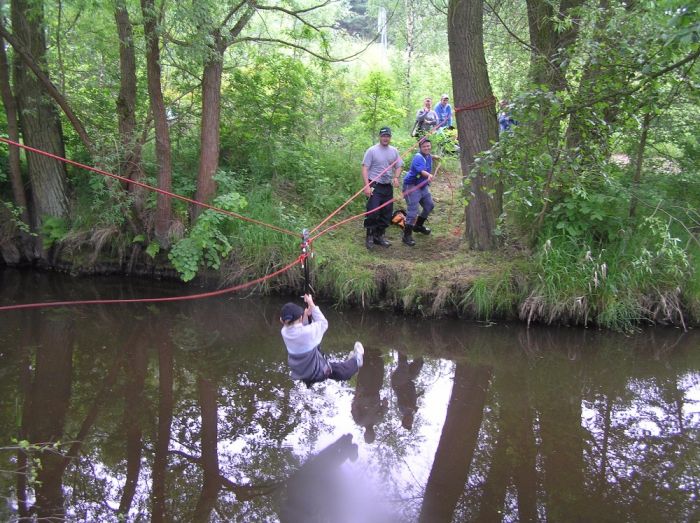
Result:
[359,353]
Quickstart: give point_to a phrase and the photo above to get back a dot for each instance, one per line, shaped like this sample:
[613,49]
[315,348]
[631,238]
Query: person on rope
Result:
[419,173]
[444,111]
[426,119]
[378,164]
[303,341]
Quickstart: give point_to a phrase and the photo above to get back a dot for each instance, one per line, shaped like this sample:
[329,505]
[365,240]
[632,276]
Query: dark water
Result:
[185,412]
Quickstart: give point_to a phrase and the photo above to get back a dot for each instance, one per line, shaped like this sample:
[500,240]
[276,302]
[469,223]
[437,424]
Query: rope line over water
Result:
[210,294]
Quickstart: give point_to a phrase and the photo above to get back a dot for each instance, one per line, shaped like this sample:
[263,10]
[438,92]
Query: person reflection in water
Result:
[405,389]
[368,408]
[315,491]
[303,341]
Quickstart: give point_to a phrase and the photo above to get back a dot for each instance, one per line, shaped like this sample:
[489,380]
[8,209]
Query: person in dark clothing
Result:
[303,341]
[368,407]
[402,381]
[379,162]
[426,119]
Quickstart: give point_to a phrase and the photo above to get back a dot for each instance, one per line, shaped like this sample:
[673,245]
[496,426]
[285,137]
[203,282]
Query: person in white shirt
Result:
[303,341]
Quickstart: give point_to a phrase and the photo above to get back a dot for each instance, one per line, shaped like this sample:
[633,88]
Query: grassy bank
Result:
[557,283]
[620,287]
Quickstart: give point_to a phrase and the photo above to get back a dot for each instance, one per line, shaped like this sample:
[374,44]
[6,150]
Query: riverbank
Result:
[437,277]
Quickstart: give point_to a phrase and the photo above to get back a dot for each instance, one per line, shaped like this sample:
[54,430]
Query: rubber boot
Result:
[419,227]
[408,235]
[369,241]
[380,239]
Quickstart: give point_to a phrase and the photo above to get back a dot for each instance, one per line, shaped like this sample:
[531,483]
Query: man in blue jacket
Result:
[444,112]
[416,189]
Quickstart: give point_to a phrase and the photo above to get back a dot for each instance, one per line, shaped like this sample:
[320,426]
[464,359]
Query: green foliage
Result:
[207,243]
[52,230]
[101,202]
[377,103]
[15,216]
[153,249]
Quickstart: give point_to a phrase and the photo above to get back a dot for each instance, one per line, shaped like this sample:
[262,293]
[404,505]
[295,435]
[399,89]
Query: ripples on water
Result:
[185,412]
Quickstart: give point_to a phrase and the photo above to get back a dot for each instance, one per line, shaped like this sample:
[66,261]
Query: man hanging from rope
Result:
[303,341]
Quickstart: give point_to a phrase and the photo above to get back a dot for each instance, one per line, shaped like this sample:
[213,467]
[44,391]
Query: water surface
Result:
[185,412]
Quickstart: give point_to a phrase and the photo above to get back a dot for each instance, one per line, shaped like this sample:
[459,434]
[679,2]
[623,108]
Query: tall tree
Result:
[126,101]
[458,443]
[163,217]
[478,127]
[219,40]
[8,101]
[553,29]
[39,121]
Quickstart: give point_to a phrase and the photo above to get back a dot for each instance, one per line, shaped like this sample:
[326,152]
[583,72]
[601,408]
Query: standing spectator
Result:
[377,166]
[444,111]
[505,121]
[303,342]
[419,173]
[426,118]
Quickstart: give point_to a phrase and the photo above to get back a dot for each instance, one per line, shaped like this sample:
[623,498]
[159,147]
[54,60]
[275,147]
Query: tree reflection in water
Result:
[186,413]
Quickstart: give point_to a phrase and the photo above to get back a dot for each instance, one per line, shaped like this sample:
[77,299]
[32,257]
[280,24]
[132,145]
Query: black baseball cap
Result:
[385,130]
[291,312]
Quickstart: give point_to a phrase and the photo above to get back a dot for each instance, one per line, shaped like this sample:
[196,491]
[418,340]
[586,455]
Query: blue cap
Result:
[385,130]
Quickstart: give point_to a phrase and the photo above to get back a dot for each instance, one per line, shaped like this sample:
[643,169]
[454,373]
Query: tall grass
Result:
[493,296]
[636,279]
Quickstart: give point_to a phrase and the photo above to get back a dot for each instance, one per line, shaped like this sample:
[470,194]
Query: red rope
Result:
[355,217]
[242,286]
[486,102]
[149,187]
[300,259]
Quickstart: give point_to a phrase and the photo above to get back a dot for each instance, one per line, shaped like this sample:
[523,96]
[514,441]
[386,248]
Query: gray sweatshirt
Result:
[302,342]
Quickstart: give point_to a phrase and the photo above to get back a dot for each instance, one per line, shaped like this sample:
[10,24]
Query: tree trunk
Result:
[165,418]
[210,457]
[39,121]
[638,162]
[163,217]
[130,165]
[479,127]
[410,51]
[50,399]
[211,113]
[548,43]
[211,106]
[136,368]
[457,444]
[8,100]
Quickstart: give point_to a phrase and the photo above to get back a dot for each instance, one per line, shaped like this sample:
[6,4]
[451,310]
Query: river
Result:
[185,412]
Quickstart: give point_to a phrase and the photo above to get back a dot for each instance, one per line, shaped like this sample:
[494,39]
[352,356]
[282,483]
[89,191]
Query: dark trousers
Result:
[379,221]
[340,371]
